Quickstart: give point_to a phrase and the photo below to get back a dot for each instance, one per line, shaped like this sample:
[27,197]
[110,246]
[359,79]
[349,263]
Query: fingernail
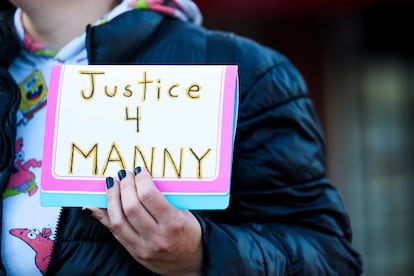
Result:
[86,211]
[109,182]
[121,174]
[137,170]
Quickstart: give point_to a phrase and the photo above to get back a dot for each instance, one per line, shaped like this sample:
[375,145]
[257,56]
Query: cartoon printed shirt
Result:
[28,229]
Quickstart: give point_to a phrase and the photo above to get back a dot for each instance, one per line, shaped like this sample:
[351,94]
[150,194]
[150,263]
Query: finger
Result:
[118,223]
[151,198]
[134,211]
[98,213]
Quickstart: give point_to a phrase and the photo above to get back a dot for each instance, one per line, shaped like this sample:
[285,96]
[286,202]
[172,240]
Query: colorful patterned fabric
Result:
[185,10]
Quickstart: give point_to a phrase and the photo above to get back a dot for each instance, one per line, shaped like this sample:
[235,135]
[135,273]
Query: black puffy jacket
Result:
[284,218]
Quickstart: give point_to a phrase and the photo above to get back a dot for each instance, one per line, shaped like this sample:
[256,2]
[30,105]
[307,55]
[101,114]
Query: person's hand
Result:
[157,235]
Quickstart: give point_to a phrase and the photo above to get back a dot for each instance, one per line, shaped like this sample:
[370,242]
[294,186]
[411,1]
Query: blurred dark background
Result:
[358,60]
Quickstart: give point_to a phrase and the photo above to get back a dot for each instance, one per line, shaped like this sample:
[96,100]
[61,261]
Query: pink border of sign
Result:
[97,184]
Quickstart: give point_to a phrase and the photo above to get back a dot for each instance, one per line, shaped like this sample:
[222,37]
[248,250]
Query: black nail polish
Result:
[137,170]
[121,174]
[109,182]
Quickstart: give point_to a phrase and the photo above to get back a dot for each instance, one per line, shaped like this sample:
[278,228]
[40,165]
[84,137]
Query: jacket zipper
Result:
[88,43]
[58,235]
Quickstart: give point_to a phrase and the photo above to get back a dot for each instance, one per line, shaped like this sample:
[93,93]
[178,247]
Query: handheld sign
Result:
[177,121]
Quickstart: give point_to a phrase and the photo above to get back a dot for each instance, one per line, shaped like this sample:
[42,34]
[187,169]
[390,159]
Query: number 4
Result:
[129,118]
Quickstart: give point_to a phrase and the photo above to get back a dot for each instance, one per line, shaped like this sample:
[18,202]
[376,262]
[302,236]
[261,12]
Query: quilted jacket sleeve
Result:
[284,218]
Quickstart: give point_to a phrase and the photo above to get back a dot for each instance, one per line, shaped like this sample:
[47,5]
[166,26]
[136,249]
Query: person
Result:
[284,216]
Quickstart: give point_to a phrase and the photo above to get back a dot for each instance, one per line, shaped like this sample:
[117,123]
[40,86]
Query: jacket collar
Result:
[111,42]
